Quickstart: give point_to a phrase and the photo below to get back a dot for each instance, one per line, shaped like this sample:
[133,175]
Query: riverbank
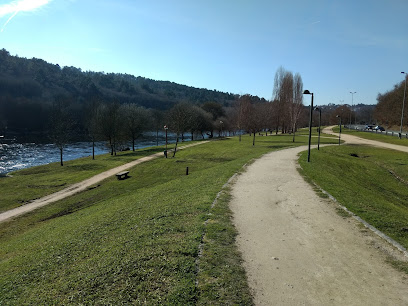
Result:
[21,153]
[81,186]
[154,238]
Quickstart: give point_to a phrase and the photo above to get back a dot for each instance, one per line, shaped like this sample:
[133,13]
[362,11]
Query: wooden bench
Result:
[122,175]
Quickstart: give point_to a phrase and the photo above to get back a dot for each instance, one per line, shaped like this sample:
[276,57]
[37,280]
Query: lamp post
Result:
[320,121]
[352,104]
[307,92]
[221,128]
[166,128]
[338,116]
[403,104]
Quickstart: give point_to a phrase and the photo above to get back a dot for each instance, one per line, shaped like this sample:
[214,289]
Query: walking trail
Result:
[81,186]
[298,251]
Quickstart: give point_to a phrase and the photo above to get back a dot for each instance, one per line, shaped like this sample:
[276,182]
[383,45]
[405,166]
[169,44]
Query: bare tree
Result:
[179,117]
[136,121]
[257,119]
[110,124]
[343,111]
[279,97]
[243,113]
[92,121]
[157,122]
[61,124]
[297,103]
[216,110]
[200,121]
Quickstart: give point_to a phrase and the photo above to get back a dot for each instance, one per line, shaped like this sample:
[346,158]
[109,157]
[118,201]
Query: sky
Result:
[337,46]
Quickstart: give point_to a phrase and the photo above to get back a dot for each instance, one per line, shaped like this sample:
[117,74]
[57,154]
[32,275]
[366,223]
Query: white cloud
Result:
[17,6]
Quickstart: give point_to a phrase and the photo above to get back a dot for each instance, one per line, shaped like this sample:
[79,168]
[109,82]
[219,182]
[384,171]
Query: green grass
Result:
[33,183]
[134,241]
[378,177]
[374,136]
[315,132]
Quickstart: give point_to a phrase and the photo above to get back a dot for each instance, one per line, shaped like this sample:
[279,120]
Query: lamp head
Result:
[306,92]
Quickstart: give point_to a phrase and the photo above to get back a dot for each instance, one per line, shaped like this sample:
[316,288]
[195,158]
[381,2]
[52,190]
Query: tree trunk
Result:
[93,149]
[253,141]
[157,137]
[114,145]
[133,144]
[175,148]
[62,163]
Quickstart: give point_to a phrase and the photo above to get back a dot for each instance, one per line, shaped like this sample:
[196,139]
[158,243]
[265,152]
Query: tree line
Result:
[389,107]
[28,88]
[122,123]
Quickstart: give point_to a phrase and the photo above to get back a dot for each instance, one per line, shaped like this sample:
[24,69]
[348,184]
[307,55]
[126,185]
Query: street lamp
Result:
[352,105]
[320,121]
[166,128]
[307,92]
[403,103]
[338,116]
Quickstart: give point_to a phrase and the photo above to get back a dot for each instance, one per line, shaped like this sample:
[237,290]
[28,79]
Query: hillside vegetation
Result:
[28,87]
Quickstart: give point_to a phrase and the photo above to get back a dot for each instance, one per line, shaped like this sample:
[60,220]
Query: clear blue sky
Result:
[234,46]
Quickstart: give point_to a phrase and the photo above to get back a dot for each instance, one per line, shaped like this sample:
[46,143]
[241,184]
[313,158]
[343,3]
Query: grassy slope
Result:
[370,182]
[136,240]
[375,136]
[36,182]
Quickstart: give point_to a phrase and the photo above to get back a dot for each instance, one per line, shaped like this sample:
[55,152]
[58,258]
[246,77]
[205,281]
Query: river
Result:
[15,155]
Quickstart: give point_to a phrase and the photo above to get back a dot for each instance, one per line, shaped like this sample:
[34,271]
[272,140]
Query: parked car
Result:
[379,128]
[369,127]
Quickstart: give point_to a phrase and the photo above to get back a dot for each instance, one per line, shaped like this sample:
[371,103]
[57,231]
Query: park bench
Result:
[122,175]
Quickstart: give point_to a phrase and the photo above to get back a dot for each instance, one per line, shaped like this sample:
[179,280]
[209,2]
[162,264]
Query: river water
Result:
[15,155]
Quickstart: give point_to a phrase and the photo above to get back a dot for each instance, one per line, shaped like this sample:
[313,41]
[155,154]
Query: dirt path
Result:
[81,186]
[298,251]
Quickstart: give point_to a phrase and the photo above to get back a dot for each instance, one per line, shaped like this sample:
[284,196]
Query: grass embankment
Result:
[304,132]
[136,240]
[374,136]
[36,182]
[370,182]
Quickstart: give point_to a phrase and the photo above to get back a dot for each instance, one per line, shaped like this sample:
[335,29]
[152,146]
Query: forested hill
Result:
[29,86]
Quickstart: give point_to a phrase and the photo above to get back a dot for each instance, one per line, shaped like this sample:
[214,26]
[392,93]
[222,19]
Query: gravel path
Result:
[298,251]
[81,186]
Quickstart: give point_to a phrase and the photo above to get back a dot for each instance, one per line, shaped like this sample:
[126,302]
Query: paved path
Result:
[81,186]
[351,139]
[298,251]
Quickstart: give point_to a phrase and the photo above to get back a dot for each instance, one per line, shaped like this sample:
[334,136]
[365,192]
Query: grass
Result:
[315,132]
[134,241]
[378,176]
[374,136]
[32,183]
